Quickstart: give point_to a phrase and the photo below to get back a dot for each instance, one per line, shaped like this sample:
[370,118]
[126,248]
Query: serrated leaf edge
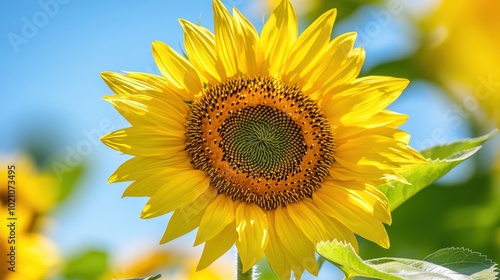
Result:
[456,156]
[482,138]
[496,271]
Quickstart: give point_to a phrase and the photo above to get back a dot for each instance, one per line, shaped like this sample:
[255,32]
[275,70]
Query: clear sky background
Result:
[51,54]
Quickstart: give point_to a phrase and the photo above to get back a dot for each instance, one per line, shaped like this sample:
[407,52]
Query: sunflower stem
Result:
[240,275]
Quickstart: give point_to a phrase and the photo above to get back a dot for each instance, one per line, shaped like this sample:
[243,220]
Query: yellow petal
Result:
[146,110]
[147,186]
[253,234]
[306,220]
[275,252]
[384,118]
[187,218]
[385,148]
[177,70]
[200,48]
[363,99]
[225,45]
[331,60]
[145,141]
[176,192]
[344,74]
[295,241]
[368,198]
[141,188]
[142,167]
[339,49]
[140,83]
[217,246]
[296,265]
[158,82]
[337,231]
[309,48]
[340,204]
[369,174]
[218,215]
[348,71]
[133,83]
[277,37]
[247,42]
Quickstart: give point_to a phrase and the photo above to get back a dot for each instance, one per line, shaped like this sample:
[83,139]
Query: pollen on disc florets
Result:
[260,140]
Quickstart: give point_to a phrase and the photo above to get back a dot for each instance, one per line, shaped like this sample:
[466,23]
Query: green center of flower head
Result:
[261,141]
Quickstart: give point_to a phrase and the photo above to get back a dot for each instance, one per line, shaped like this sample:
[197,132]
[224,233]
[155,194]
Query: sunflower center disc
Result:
[261,141]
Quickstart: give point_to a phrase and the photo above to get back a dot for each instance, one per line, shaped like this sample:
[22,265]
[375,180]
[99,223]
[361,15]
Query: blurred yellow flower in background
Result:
[462,50]
[33,194]
[170,264]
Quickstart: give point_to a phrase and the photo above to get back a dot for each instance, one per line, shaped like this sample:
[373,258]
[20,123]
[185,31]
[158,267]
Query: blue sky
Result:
[52,53]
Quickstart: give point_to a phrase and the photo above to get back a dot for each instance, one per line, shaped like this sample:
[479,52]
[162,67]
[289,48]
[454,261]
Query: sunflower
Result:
[268,141]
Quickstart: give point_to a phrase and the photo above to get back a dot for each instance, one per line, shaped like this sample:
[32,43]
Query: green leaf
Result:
[346,259]
[440,160]
[67,175]
[415,269]
[448,150]
[69,181]
[89,265]
[444,264]
[465,261]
